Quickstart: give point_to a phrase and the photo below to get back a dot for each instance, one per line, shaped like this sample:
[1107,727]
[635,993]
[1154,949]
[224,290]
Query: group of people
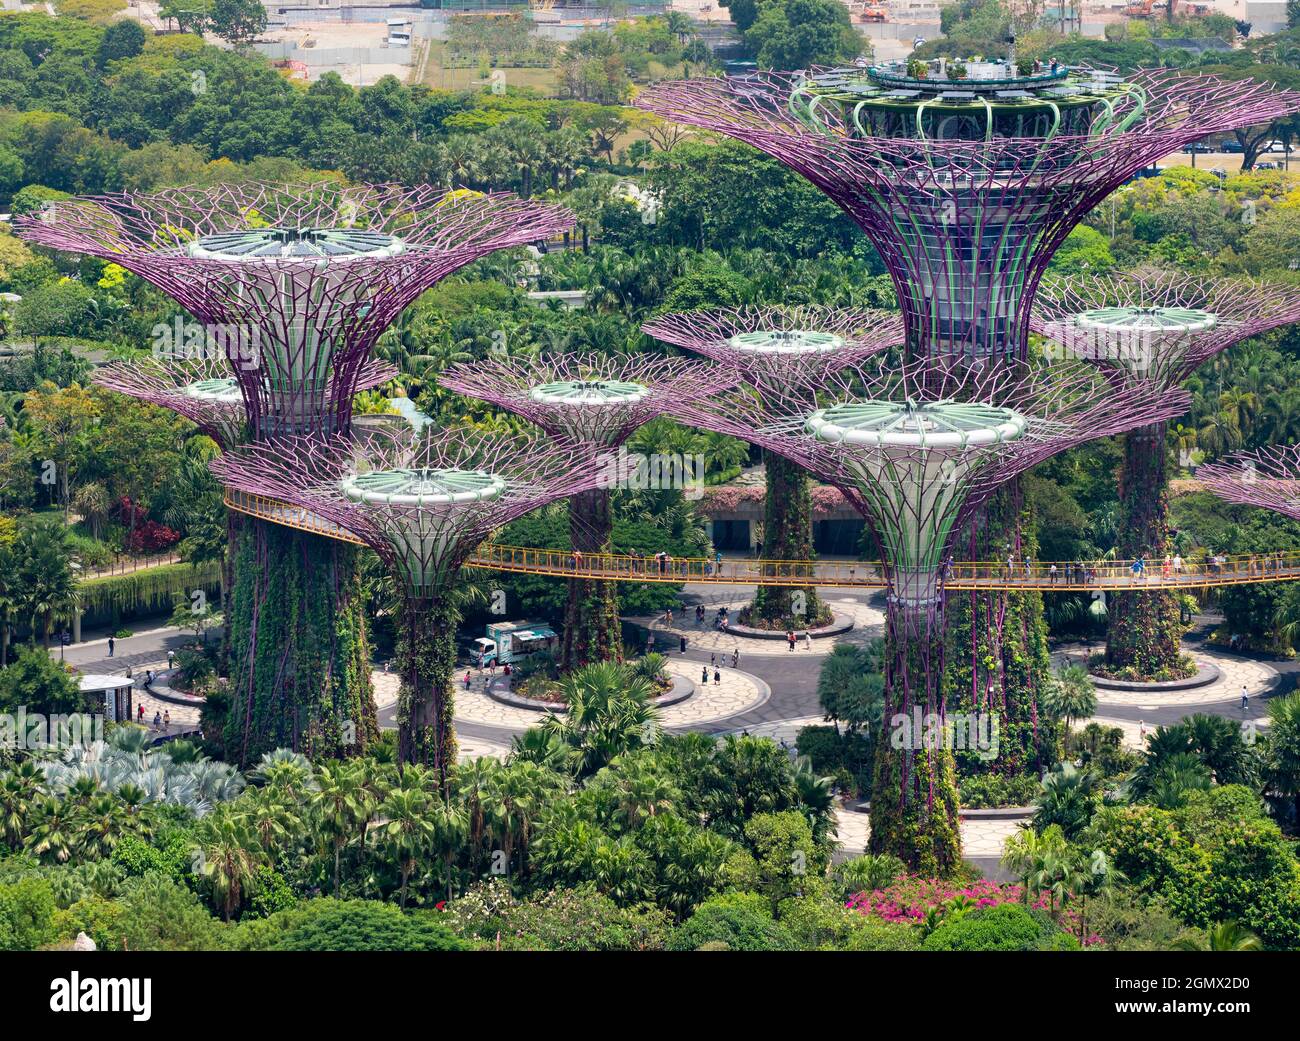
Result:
[791,639]
[162,721]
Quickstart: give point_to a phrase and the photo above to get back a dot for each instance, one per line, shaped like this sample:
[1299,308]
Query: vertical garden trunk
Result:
[998,660]
[1143,629]
[914,785]
[592,632]
[787,535]
[299,657]
[426,657]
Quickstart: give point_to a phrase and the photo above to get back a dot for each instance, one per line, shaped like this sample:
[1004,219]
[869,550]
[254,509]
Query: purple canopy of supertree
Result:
[915,449]
[204,390]
[763,341]
[1268,478]
[592,398]
[1158,325]
[422,504]
[967,184]
[296,280]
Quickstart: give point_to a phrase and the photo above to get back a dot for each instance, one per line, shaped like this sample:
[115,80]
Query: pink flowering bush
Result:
[729,497]
[911,898]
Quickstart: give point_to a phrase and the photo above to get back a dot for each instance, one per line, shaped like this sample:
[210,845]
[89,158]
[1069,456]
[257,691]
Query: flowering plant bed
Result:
[1184,670]
[911,899]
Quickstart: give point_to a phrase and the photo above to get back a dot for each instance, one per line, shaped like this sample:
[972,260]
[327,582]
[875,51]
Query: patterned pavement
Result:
[981,838]
[738,692]
[1257,677]
[868,624]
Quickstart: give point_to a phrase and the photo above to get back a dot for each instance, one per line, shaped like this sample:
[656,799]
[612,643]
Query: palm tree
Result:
[230,855]
[1223,936]
[1284,748]
[19,789]
[46,587]
[1026,853]
[1072,696]
[408,831]
[450,827]
[1066,798]
[609,714]
[340,802]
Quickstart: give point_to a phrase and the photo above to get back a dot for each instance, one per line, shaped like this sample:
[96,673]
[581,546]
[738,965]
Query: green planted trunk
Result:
[997,656]
[914,813]
[426,660]
[299,656]
[787,535]
[1144,632]
[592,631]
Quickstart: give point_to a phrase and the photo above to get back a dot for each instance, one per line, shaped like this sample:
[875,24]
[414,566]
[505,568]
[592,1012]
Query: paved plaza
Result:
[868,624]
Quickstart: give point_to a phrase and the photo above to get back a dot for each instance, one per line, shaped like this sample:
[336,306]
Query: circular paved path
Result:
[868,624]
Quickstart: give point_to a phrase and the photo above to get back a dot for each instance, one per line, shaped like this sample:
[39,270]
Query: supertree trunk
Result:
[787,535]
[1143,631]
[914,786]
[300,661]
[426,657]
[998,661]
[592,631]
[234,530]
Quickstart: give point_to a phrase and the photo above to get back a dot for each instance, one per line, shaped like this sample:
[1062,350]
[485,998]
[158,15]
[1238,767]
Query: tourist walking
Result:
[171,659]
[717,677]
[167,720]
[704,675]
[1245,698]
[683,645]
[789,639]
[735,658]
[807,640]
[111,644]
[157,720]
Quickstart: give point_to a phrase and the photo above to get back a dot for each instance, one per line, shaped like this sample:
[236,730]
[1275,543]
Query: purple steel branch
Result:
[1066,404]
[862,332]
[310,317]
[1241,308]
[1268,478]
[165,383]
[423,545]
[513,384]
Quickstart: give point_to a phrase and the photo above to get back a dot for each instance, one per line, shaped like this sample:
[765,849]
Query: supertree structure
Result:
[1158,327]
[423,505]
[1267,477]
[967,183]
[967,177]
[294,283]
[205,391]
[599,401]
[764,344]
[917,449]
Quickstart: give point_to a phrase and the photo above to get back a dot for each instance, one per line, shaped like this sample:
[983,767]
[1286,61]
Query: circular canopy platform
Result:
[1168,320]
[956,100]
[95,683]
[786,341]
[222,391]
[423,487]
[295,244]
[938,425]
[589,392]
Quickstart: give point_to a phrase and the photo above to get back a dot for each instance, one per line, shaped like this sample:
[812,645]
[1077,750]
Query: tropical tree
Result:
[408,831]
[229,855]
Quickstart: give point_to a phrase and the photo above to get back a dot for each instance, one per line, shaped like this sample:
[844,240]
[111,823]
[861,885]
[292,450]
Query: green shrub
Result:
[1006,927]
[27,911]
[367,925]
[742,921]
[983,791]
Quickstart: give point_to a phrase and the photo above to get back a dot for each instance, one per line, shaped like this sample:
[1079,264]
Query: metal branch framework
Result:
[594,399]
[423,505]
[761,342]
[1157,325]
[205,391]
[1268,478]
[297,281]
[967,187]
[915,449]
